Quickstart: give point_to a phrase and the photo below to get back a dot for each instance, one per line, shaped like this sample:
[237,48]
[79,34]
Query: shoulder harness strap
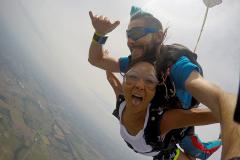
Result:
[120,99]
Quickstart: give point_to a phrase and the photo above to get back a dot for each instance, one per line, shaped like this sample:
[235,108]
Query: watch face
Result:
[102,40]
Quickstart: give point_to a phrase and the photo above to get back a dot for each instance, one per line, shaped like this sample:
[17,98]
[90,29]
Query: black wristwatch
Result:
[99,39]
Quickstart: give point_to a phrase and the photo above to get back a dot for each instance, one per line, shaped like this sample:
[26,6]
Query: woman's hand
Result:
[114,82]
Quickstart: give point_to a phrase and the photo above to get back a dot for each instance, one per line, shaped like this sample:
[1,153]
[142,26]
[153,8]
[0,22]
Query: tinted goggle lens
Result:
[138,32]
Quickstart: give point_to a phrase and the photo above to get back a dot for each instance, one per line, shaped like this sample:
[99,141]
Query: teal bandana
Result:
[138,11]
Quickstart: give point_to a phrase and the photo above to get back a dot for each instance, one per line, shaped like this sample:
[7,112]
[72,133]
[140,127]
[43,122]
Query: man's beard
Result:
[152,50]
[138,51]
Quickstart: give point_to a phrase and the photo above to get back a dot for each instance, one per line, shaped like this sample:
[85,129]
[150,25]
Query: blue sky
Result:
[56,35]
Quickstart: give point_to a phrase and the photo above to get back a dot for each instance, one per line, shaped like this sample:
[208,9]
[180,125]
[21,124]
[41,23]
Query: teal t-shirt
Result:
[180,71]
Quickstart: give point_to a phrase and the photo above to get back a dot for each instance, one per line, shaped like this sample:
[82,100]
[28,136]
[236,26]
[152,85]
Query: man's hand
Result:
[101,24]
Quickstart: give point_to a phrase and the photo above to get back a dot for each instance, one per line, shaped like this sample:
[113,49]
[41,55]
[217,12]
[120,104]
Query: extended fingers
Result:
[90,14]
[102,24]
[96,17]
[101,18]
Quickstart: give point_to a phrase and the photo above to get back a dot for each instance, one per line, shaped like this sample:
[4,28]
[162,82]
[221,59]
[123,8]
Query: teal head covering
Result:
[153,21]
[138,11]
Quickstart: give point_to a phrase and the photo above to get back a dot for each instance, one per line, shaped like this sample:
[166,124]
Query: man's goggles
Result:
[139,32]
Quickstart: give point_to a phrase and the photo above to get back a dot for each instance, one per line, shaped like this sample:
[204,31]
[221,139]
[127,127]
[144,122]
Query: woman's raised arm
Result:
[115,83]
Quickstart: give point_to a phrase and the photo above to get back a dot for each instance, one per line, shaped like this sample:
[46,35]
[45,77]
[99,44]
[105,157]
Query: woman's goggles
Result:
[132,77]
[139,32]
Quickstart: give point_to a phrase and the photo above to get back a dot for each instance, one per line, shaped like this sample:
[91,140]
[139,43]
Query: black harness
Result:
[169,55]
[166,145]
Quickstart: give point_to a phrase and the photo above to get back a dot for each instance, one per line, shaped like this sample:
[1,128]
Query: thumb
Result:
[115,24]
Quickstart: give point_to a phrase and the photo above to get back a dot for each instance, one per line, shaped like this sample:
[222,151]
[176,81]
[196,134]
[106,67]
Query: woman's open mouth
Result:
[136,99]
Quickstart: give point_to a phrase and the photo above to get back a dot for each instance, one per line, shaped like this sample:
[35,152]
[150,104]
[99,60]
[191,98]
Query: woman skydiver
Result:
[158,137]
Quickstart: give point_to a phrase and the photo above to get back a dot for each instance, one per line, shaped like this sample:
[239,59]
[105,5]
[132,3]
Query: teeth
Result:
[137,96]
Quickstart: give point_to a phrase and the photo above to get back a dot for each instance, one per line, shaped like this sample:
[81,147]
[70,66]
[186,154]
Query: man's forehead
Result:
[139,22]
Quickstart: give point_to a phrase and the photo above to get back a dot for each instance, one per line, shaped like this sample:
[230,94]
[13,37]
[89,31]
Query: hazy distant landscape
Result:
[38,122]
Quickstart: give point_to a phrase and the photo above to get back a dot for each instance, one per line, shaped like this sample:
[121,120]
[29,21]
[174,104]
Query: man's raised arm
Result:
[97,55]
